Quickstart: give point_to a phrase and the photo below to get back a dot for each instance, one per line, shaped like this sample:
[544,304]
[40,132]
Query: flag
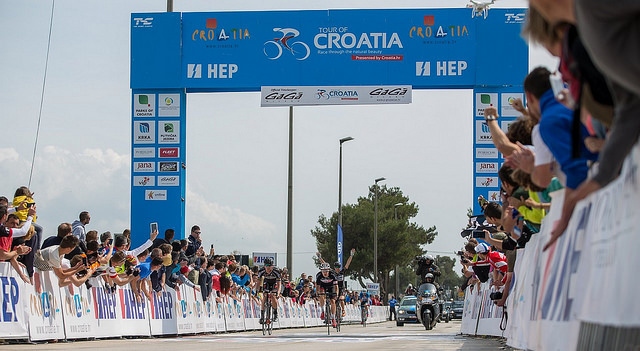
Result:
[339,244]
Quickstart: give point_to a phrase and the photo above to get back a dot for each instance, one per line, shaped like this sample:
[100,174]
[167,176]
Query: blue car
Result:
[407,311]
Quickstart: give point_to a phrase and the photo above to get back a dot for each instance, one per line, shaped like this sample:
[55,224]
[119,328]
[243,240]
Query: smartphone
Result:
[477,233]
[29,204]
[557,85]
[212,246]
[154,227]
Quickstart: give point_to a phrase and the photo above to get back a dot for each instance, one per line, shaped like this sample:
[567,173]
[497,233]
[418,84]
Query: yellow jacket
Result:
[22,214]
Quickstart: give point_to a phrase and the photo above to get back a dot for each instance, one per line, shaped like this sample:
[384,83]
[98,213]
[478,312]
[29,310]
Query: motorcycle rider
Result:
[428,266]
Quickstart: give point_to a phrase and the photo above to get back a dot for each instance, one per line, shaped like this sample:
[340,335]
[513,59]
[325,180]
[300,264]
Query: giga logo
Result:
[381,91]
[284,96]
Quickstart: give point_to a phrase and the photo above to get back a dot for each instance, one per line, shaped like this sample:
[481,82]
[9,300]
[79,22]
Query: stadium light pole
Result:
[375,231]
[395,212]
[342,141]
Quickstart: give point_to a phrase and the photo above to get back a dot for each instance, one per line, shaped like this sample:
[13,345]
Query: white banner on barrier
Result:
[77,307]
[209,317]
[45,308]
[162,313]
[15,296]
[185,306]
[134,314]
[221,322]
[106,310]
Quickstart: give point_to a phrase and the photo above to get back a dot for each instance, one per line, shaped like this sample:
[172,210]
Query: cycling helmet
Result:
[337,264]
[430,258]
[268,261]
[325,266]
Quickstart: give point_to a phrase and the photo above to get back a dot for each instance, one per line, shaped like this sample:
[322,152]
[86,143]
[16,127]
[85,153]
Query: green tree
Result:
[449,279]
[399,241]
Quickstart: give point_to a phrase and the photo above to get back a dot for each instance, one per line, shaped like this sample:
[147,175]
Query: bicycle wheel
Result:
[272,50]
[267,319]
[327,315]
[338,315]
[300,50]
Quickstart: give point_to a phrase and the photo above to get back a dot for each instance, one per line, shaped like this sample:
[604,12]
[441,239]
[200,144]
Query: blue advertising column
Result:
[158,169]
[486,159]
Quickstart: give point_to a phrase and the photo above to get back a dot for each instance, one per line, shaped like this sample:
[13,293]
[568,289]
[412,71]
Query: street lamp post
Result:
[343,140]
[375,231]
[395,212]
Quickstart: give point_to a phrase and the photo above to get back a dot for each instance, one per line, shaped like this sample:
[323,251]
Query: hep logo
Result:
[194,70]
[143,22]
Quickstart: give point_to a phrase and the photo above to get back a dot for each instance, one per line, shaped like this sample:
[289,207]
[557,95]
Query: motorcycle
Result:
[428,305]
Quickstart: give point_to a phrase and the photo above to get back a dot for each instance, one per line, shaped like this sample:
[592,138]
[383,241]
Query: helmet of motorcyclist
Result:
[429,258]
[429,278]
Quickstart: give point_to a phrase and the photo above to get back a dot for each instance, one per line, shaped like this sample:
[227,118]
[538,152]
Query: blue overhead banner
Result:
[173,54]
[242,51]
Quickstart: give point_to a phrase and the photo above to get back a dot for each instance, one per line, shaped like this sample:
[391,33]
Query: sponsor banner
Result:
[486,167]
[186,308]
[506,108]
[169,152]
[17,300]
[168,180]
[486,152]
[335,95]
[162,313]
[221,325]
[78,313]
[168,132]
[168,166]
[144,180]
[373,288]
[486,182]
[155,195]
[483,134]
[144,152]
[135,315]
[106,309]
[45,307]
[209,315]
[168,105]
[144,132]
[504,125]
[146,167]
[484,100]
[258,258]
[144,105]
[494,196]
[236,51]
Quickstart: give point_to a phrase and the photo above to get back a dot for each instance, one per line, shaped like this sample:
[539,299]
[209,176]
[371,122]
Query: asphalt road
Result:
[381,336]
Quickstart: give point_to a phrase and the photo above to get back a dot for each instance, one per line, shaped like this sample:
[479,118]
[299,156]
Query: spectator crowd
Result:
[577,126]
[76,254]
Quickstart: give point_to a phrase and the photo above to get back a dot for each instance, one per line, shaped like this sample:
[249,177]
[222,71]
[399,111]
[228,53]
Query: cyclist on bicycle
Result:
[364,305]
[270,279]
[340,272]
[327,284]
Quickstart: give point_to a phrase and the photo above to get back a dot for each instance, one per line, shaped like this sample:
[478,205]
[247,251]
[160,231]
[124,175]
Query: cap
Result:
[482,248]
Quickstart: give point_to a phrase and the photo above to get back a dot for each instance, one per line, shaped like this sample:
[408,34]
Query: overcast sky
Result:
[236,151]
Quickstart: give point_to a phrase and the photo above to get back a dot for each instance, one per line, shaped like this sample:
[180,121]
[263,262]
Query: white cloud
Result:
[230,228]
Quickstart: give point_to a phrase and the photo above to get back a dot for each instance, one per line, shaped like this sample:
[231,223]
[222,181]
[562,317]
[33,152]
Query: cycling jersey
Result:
[327,282]
[270,279]
[339,277]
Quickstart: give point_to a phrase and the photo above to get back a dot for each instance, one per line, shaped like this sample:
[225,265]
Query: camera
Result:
[496,295]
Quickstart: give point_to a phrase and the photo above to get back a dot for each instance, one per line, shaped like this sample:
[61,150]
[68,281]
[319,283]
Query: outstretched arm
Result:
[353,252]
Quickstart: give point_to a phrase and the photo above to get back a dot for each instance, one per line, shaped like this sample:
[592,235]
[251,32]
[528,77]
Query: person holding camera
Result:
[427,265]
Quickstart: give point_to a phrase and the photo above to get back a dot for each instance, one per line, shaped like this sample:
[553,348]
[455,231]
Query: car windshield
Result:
[427,287]
[408,302]
[458,304]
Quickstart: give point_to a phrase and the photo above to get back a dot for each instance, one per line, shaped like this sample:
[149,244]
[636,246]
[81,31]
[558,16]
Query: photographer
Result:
[426,265]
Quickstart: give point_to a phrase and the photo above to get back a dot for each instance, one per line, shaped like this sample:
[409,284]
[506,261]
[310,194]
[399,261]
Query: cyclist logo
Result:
[273,48]
[322,94]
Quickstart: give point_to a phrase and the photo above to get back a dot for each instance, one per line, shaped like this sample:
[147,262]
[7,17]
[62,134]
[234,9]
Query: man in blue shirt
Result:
[144,271]
[392,308]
